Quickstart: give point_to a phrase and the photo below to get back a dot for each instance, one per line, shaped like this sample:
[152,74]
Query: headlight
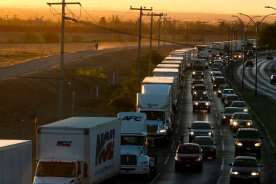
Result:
[255,173]
[258,144]
[249,123]
[235,123]
[204,92]
[194,73]
[195,92]
[215,85]
[192,133]
[163,131]
[199,159]
[219,91]
[224,117]
[245,110]
[235,173]
[207,104]
[209,133]
[239,144]
[196,103]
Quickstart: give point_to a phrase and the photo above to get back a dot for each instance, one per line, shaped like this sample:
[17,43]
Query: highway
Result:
[214,171]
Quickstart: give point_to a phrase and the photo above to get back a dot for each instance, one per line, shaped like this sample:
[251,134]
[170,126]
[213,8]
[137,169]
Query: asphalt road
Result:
[49,62]
[214,171]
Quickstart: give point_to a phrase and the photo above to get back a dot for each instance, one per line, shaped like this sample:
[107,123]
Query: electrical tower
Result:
[63,4]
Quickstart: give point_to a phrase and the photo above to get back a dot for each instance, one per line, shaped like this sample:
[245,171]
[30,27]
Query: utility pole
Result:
[159,28]
[63,4]
[152,15]
[140,9]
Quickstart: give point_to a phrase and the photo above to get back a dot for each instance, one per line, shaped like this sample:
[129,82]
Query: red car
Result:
[188,155]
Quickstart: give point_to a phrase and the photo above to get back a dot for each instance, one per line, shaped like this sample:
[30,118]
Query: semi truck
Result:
[78,150]
[135,158]
[16,162]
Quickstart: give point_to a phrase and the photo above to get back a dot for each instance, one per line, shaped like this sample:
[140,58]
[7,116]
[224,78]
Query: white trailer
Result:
[134,153]
[15,162]
[78,150]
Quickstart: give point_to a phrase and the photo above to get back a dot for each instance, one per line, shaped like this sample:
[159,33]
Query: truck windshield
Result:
[56,169]
[133,140]
[155,115]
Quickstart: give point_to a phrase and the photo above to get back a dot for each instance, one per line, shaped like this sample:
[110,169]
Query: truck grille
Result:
[128,160]
[152,128]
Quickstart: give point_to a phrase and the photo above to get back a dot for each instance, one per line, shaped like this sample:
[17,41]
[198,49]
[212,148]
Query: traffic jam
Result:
[158,129]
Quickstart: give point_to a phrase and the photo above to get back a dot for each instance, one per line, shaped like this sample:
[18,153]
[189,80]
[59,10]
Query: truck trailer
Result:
[16,162]
[78,150]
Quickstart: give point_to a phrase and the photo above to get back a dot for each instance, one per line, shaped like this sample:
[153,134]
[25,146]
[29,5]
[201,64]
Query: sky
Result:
[201,6]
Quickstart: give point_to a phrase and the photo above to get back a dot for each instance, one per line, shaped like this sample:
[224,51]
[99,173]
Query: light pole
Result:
[243,46]
[256,24]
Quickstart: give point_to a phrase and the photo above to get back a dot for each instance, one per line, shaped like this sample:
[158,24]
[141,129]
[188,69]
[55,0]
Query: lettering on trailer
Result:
[64,143]
[105,146]
[135,118]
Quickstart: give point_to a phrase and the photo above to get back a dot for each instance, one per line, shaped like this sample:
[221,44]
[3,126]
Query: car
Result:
[188,155]
[240,120]
[240,104]
[200,128]
[228,112]
[227,91]
[273,79]
[208,146]
[249,63]
[198,74]
[217,82]
[197,81]
[201,102]
[248,141]
[215,74]
[221,88]
[198,89]
[245,169]
[227,100]
[269,57]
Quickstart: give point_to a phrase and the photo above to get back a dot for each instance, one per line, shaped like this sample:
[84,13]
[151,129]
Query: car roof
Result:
[245,157]
[241,113]
[204,137]
[233,108]
[188,144]
[206,122]
[228,89]
[248,129]
[199,85]
[238,101]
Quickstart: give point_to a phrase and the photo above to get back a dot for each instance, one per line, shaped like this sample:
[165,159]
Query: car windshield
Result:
[201,98]
[203,141]
[231,110]
[188,149]
[199,87]
[238,104]
[201,126]
[56,169]
[133,140]
[245,163]
[242,116]
[228,91]
[155,115]
[248,134]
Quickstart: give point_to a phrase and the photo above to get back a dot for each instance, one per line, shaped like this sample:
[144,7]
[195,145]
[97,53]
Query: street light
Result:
[257,24]
[243,46]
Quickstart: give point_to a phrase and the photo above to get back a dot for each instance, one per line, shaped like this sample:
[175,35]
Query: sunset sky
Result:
[206,6]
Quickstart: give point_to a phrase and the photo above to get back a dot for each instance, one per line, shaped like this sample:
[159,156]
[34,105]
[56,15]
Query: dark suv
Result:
[188,155]
[201,102]
[248,141]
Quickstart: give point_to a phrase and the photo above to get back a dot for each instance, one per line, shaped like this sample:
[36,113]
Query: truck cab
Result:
[134,145]
[61,172]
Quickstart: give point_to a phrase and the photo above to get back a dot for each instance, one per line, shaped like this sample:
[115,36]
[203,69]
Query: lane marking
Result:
[155,178]
[167,160]
[222,164]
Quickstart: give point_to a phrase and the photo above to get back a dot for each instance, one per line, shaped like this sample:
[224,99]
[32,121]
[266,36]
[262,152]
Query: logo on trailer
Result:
[64,143]
[105,146]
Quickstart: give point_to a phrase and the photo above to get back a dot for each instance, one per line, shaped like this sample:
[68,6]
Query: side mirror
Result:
[231,164]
